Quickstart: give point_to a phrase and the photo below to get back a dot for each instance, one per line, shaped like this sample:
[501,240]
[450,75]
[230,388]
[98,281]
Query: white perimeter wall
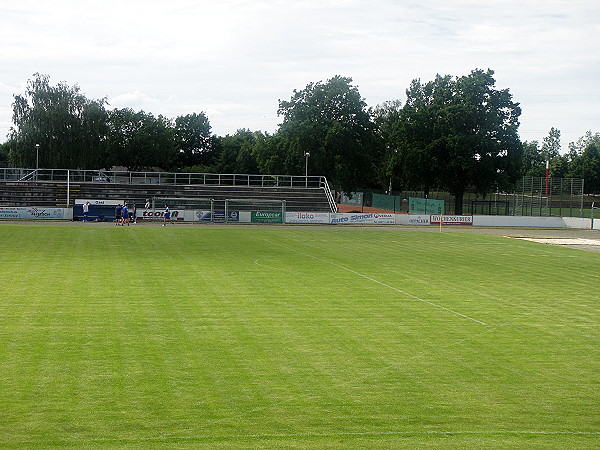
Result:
[20,213]
[424,220]
[528,221]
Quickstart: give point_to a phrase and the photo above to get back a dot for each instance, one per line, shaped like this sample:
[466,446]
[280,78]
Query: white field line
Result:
[366,277]
[259,263]
[341,434]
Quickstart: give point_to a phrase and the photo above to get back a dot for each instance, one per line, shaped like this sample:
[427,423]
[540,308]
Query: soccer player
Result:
[125,214]
[167,215]
[86,211]
[118,214]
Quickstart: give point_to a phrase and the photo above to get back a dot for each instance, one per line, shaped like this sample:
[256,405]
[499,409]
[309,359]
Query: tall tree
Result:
[551,144]
[579,146]
[534,162]
[417,134]
[386,115]
[270,154]
[193,140]
[586,162]
[69,128]
[483,146]
[236,152]
[331,122]
[138,140]
[460,133]
[535,157]
[4,150]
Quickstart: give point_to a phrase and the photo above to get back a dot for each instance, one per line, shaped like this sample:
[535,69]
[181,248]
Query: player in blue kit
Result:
[125,215]
[167,215]
[118,214]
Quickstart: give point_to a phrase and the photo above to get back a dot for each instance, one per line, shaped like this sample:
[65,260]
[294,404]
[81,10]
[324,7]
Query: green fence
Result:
[532,196]
[387,202]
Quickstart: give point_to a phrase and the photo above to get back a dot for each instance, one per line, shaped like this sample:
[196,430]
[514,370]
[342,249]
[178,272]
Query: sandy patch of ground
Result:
[579,243]
[565,241]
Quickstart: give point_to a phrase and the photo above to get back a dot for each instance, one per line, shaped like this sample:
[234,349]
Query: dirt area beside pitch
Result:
[568,237]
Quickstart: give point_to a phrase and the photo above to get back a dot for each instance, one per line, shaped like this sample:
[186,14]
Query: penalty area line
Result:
[366,277]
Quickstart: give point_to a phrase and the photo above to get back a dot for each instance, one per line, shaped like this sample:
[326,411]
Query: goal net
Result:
[260,210]
[203,206]
[211,210]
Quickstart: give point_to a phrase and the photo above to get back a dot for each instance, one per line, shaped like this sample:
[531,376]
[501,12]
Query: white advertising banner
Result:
[384,219]
[306,217]
[149,214]
[31,212]
[216,216]
[368,219]
[419,219]
[451,220]
[100,202]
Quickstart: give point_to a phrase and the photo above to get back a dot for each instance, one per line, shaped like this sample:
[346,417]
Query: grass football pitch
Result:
[295,337]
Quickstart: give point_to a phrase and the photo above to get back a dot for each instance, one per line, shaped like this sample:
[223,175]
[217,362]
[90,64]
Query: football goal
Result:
[229,210]
[205,206]
[261,210]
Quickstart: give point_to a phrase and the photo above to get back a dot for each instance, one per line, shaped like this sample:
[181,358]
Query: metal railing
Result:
[328,193]
[175,178]
[167,178]
[28,176]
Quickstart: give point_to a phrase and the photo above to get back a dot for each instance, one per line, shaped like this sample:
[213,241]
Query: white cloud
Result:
[135,100]
[235,59]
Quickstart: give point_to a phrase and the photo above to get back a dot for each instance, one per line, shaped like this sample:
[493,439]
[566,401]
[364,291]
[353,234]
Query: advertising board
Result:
[100,202]
[451,219]
[368,219]
[267,217]
[216,216]
[306,217]
[28,213]
[149,214]
[419,219]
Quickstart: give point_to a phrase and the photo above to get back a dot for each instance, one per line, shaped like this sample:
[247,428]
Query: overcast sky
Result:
[235,59]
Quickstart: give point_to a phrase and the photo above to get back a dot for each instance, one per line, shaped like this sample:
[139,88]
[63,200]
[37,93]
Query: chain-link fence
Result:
[540,196]
[532,196]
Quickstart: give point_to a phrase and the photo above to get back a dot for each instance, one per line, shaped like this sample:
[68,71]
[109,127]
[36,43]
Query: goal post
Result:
[179,204]
[257,210]
[249,210]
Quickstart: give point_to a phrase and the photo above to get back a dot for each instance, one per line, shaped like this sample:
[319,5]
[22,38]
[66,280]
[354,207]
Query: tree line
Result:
[454,133]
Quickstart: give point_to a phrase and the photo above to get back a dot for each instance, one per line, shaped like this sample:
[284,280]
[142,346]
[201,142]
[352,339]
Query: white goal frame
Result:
[255,205]
[204,204]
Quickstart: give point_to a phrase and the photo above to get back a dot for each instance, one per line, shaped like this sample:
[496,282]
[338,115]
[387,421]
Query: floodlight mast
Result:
[547,175]
[306,155]
[37,159]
